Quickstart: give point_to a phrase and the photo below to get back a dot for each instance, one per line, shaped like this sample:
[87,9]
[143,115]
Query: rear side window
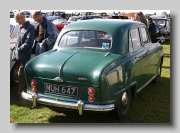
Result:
[86,39]
[135,38]
[145,37]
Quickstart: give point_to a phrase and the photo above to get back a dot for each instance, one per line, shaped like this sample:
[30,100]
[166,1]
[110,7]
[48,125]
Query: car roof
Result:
[111,26]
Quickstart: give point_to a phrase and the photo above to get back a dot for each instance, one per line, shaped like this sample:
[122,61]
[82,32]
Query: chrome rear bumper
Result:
[80,106]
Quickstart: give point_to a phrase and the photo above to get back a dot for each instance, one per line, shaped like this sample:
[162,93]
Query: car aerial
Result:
[59,23]
[162,26]
[14,27]
[95,65]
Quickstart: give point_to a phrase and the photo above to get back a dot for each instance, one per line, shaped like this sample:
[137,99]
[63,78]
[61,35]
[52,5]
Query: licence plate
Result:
[59,89]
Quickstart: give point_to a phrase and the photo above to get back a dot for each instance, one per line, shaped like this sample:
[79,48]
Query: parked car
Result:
[14,27]
[148,15]
[92,17]
[119,17]
[102,14]
[95,65]
[59,23]
[52,18]
[162,27]
[27,14]
[11,14]
[73,19]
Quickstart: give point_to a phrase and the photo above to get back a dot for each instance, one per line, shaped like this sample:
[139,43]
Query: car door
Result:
[152,60]
[139,58]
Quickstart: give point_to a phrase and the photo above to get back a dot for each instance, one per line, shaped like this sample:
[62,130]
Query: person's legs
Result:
[153,39]
[37,49]
[21,78]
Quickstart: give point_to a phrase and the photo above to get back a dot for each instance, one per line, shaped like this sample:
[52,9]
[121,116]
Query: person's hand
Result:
[43,43]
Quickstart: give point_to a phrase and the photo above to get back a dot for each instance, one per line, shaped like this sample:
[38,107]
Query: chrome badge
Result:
[82,78]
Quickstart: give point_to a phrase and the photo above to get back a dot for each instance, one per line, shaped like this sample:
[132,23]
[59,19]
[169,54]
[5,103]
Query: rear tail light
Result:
[91,91]
[34,90]
[91,98]
[33,83]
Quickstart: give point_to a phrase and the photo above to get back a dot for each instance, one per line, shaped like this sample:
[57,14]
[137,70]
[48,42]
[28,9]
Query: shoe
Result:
[18,97]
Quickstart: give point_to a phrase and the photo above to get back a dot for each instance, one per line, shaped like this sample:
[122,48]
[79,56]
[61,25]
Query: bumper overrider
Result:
[80,106]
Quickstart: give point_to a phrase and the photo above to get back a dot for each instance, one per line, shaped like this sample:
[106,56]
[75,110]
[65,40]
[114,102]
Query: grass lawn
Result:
[151,105]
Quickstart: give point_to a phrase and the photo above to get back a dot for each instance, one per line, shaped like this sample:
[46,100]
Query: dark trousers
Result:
[21,77]
[153,39]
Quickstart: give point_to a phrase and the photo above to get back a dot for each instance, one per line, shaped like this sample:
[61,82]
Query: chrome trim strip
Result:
[69,105]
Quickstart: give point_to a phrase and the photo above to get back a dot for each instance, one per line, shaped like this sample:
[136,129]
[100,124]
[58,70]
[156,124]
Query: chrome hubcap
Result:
[124,100]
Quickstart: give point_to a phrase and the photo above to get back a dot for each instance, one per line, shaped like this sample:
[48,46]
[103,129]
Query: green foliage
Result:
[151,105]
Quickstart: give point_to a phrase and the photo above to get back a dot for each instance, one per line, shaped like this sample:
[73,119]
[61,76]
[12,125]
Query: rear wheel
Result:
[14,75]
[123,106]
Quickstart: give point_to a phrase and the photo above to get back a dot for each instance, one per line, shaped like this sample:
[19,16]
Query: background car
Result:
[73,19]
[52,18]
[95,65]
[119,17]
[14,27]
[59,23]
[91,17]
[148,15]
[162,26]
[11,14]
[102,14]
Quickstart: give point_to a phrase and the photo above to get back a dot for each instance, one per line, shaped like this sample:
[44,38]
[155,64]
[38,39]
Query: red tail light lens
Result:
[33,83]
[34,90]
[91,91]
[91,98]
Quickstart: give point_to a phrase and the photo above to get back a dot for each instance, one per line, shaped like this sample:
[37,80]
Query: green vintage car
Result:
[95,65]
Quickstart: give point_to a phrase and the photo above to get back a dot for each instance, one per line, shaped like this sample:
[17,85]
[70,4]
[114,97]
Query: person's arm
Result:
[28,41]
[51,34]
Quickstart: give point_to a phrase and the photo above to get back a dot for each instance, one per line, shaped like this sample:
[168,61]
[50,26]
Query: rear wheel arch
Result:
[13,72]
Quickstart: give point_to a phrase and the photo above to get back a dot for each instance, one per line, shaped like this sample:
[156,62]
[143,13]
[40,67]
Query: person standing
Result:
[63,15]
[152,30]
[143,19]
[22,49]
[46,33]
[137,17]
[119,13]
